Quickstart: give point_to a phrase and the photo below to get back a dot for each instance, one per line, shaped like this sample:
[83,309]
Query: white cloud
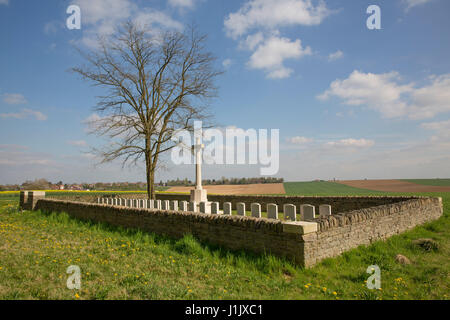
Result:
[252,41]
[441,128]
[77,143]
[437,126]
[335,56]
[300,140]
[105,11]
[182,3]
[413,3]
[351,143]
[25,113]
[227,63]
[274,14]
[263,19]
[385,94]
[151,18]
[432,99]
[52,27]
[14,98]
[101,18]
[271,54]
[5,2]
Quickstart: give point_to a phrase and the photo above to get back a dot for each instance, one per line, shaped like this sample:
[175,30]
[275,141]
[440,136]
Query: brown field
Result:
[268,188]
[393,186]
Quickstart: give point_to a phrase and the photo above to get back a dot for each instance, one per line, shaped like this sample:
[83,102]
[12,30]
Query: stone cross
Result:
[197,149]
[198,194]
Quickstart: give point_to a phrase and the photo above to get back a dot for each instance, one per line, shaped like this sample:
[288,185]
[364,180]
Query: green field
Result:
[116,263]
[430,182]
[324,188]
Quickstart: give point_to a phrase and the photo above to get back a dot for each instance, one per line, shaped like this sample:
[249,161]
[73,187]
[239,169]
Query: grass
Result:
[322,188]
[431,182]
[37,249]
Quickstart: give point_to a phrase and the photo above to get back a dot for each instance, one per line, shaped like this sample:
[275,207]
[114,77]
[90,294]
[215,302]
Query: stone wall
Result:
[306,243]
[342,232]
[257,235]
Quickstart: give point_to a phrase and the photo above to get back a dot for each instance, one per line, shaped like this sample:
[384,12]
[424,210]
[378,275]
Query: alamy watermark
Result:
[74,20]
[374,20]
[230,146]
[374,281]
[74,280]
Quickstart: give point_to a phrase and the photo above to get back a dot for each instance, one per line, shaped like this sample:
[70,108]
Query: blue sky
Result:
[350,102]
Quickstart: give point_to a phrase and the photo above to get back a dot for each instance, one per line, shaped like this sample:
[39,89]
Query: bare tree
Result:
[157,84]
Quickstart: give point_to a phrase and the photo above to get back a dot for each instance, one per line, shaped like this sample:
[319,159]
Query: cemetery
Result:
[303,229]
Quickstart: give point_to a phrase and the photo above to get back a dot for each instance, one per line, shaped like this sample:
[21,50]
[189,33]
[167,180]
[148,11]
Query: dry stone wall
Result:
[354,221]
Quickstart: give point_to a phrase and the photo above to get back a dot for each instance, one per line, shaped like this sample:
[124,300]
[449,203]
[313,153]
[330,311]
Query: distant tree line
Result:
[43,184]
[222,181]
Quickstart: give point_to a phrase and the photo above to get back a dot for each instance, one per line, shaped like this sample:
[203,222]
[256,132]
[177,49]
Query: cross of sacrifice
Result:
[197,149]
[198,195]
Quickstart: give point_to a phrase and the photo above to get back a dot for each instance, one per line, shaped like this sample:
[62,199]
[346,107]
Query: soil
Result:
[266,188]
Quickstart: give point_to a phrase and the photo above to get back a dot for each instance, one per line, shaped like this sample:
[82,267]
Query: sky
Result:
[349,102]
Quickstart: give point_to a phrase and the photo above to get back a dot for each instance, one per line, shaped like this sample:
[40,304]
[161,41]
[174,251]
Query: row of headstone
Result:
[307,211]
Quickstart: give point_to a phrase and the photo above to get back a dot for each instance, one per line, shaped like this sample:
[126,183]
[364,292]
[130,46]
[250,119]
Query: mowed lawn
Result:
[36,249]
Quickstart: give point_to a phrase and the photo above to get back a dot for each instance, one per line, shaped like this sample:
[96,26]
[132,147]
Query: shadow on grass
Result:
[188,245]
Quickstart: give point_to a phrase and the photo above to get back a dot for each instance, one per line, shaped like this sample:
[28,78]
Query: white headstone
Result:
[184,206]
[150,204]
[272,211]
[158,204]
[204,207]
[290,212]
[308,212]
[193,206]
[256,210]
[165,205]
[227,208]
[141,203]
[240,208]
[215,208]
[174,205]
[325,210]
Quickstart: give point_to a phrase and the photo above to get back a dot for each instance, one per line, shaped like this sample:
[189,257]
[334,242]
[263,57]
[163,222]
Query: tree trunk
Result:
[150,173]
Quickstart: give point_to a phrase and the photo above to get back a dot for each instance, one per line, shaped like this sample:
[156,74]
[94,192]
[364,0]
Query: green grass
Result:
[430,182]
[116,263]
[324,188]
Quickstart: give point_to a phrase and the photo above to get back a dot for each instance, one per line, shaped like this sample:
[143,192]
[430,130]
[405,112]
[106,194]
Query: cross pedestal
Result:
[199,195]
